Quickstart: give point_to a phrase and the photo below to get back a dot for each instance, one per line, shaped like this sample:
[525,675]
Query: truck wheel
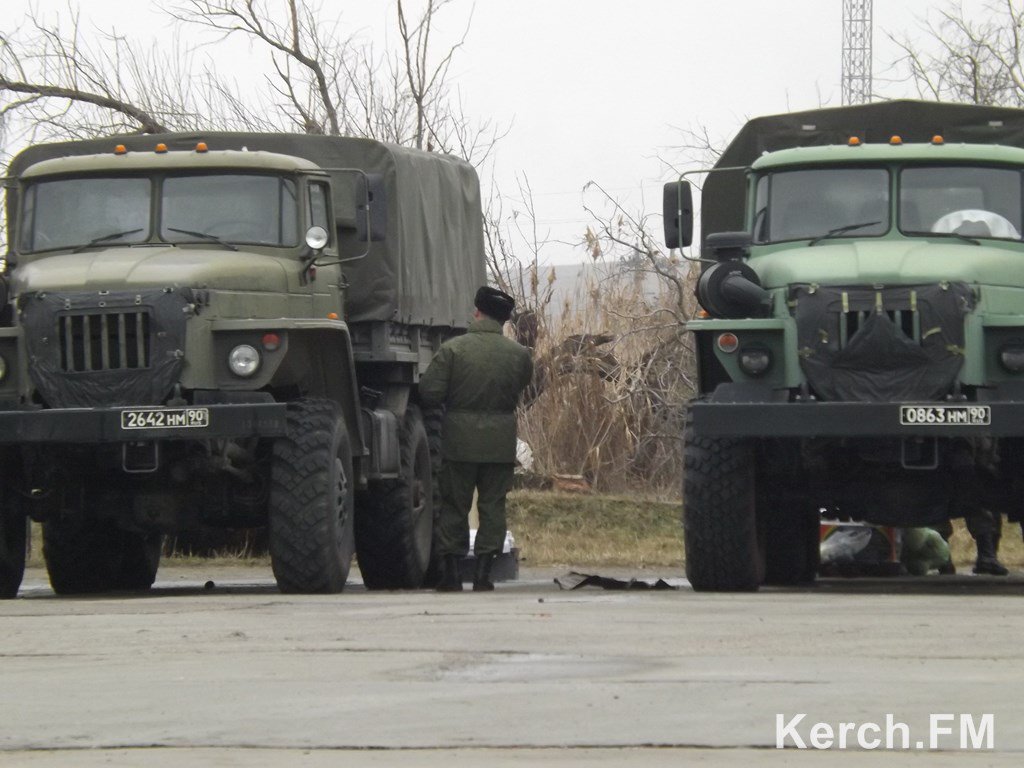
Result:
[719,515]
[13,539]
[312,494]
[140,559]
[82,558]
[395,521]
[792,546]
[433,419]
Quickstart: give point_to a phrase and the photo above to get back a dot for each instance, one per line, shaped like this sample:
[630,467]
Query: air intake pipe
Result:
[731,288]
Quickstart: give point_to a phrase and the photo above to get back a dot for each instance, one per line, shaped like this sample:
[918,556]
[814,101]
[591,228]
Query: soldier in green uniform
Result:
[478,378]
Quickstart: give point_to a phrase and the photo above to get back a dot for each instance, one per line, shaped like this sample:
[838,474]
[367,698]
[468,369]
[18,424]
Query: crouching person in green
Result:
[478,378]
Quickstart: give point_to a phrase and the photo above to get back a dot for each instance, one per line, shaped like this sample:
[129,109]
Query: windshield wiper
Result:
[105,238]
[842,230]
[957,235]
[204,236]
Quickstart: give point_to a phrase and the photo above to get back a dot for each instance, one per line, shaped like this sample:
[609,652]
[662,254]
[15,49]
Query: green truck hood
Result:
[891,262]
[116,269]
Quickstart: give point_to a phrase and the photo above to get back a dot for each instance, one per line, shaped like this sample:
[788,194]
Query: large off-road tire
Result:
[792,545]
[140,559]
[719,514]
[86,556]
[13,538]
[395,518]
[789,525]
[312,499]
[433,419]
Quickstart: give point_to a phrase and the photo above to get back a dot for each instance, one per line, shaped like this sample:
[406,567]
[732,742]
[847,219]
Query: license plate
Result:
[165,418]
[945,415]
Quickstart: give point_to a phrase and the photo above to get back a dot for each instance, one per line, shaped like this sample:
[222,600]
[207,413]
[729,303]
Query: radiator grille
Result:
[103,342]
[906,320]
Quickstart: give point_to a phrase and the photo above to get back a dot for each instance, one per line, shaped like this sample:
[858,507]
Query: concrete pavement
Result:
[529,675]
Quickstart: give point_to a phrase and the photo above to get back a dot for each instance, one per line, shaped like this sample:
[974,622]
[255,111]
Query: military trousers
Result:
[457,481]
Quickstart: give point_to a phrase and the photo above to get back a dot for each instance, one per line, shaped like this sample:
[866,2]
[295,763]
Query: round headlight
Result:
[754,361]
[1012,357]
[244,360]
[316,238]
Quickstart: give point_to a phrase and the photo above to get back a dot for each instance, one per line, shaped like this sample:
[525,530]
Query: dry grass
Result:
[613,369]
[576,529]
[1011,548]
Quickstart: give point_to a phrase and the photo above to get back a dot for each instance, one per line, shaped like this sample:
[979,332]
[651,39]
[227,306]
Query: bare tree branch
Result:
[977,60]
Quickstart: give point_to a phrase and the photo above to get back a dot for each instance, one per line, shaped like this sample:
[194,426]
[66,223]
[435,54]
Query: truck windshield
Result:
[236,208]
[86,212]
[973,202]
[70,213]
[820,203]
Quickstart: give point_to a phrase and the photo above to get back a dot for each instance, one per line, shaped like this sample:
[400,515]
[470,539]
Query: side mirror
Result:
[677,206]
[371,208]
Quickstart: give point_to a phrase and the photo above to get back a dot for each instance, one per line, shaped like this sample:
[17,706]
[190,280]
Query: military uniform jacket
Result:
[478,377]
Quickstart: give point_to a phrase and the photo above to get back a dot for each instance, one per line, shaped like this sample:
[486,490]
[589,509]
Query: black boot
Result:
[450,581]
[988,562]
[482,582]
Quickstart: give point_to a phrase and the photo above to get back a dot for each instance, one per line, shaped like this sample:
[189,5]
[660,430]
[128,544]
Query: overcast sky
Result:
[598,90]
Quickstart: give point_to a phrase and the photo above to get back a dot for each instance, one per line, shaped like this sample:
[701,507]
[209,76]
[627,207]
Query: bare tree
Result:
[64,80]
[974,59]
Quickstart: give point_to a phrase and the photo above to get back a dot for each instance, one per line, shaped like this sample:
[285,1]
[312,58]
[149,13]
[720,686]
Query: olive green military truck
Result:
[861,348]
[227,330]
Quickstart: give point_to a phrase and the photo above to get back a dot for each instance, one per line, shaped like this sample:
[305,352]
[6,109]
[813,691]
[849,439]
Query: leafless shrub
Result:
[612,382]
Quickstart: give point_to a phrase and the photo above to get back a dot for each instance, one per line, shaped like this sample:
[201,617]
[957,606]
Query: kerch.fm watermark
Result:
[943,731]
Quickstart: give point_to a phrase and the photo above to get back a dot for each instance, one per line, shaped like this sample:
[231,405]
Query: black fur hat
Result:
[494,303]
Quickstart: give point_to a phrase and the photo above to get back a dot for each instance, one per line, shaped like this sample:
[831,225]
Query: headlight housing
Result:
[1011,357]
[3,368]
[755,360]
[244,360]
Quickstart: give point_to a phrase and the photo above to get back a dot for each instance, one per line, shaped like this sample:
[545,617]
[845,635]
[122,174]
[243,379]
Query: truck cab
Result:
[860,346]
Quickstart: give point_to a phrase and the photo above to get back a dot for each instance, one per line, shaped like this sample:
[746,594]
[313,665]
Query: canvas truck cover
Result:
[723,196]
[429,265]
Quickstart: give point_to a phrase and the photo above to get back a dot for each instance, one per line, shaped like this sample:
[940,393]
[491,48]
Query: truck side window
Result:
[761,233]
[318,209]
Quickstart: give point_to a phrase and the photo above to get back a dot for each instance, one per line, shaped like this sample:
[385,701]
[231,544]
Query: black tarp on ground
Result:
[427,269]
[722,199]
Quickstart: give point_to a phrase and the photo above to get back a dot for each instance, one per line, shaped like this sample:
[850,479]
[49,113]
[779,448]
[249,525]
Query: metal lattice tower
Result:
[856,51]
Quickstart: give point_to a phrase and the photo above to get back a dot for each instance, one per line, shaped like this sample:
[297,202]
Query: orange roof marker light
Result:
[936,139]
[896,141]
[161,148]
[120,149]
[332,315]
[201,147]
[854,141]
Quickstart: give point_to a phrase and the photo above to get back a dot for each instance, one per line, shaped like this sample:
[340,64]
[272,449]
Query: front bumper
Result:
[817,419]
[104,425]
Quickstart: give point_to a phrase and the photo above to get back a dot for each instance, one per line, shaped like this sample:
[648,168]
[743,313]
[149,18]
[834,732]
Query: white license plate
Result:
[945,415]
[165,418]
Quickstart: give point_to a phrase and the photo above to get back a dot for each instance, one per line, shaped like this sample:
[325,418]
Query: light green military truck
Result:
[861,349]
[227,330]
